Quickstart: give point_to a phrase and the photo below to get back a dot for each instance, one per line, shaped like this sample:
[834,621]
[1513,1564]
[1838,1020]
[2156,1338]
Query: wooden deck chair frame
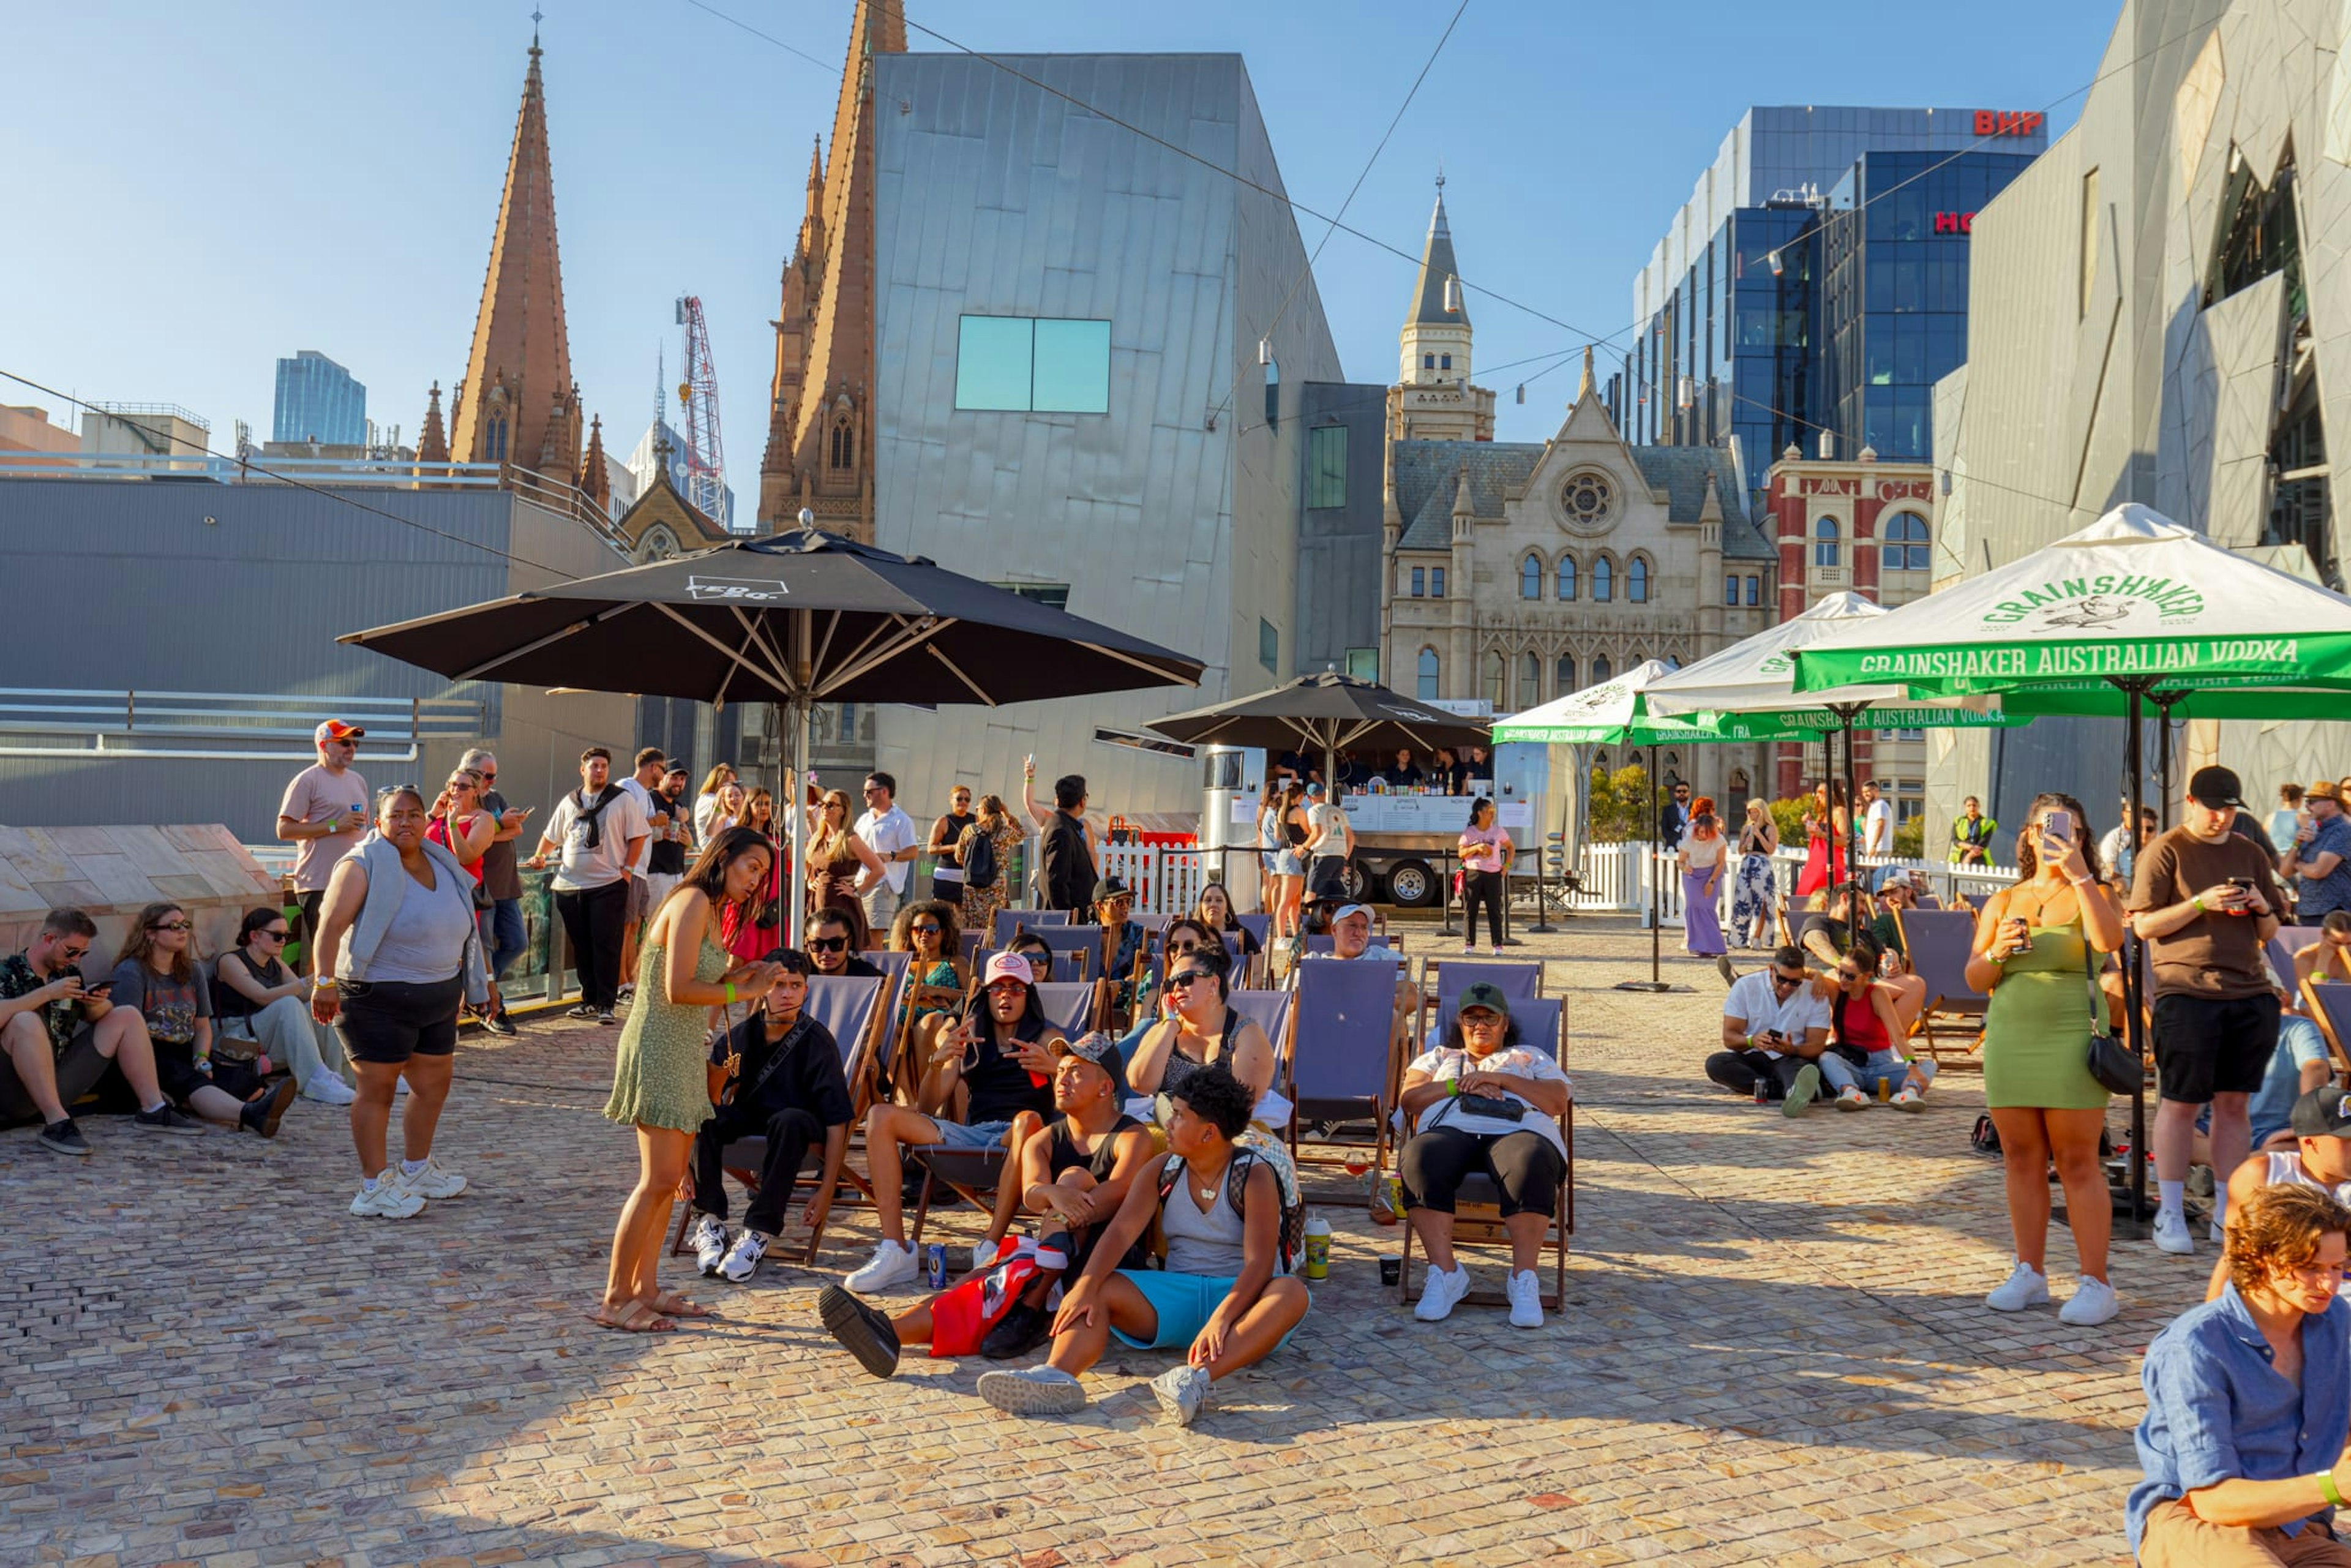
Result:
[2335,1032]
[1519,980]
[816,1207]
[1480,1224]
[1950,1007]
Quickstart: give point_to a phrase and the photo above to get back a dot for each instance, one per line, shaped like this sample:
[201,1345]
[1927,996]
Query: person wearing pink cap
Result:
[326,813]
[997,1060]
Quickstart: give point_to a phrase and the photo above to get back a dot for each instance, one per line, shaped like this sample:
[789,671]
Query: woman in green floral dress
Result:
[660,1084]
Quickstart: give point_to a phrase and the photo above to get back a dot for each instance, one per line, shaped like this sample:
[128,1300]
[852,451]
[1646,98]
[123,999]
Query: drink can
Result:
[1885,1089]
[935,1265]
[1762,1092]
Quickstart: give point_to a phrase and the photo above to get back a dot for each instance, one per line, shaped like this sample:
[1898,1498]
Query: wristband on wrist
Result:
[2196,903]
[730,993]
[2328,1489]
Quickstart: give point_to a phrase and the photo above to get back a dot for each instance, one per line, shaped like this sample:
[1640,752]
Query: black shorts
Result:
[388,1021]
[2206,1045]
[1326,876]
[175,1070]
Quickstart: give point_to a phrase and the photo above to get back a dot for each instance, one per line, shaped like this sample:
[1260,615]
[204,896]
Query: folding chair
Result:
[1010,923]
[850,1007]
[1938,942]
[1518,981]
[1269,1010]
[2330,1004]
[970,942]
[1928,901]
[1260,926]
[1477,1215]
[1337,1061]
[1084,939]
[1073,1007]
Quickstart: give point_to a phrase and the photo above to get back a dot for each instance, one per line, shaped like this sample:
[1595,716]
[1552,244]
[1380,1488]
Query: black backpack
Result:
[1289,1236]
[976,850]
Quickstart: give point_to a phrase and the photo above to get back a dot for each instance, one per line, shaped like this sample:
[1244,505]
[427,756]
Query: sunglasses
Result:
[1183,982]
[1187,946]
[1848,975]
[274,936]
[923,930]
[1779,980]
[169,926]
[460,784]
[1479,1018]
[828,944]
[1009,985]
[74,954]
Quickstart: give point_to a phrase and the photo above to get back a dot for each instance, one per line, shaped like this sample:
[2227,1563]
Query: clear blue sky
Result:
[198,190]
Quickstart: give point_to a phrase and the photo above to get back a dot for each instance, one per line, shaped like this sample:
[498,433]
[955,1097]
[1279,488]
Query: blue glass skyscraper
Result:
[319,401]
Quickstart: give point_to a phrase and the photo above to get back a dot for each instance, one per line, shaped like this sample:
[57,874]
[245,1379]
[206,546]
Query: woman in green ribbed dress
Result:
[660,1083]
[2035,944]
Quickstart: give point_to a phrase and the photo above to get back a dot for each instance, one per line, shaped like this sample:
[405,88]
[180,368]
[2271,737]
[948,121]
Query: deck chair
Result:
[1082,939]
[969,941]
[1073,1007]
[1928,900]
[1336,1062]
[1477,1216]
[1260,926]
[2330,1004]
[1010,923]
[849,1006]
[1447,979]
[1938,942]
[1269,1010]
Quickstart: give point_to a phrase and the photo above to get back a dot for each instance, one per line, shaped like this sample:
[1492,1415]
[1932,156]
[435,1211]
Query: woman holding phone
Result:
[2035,953]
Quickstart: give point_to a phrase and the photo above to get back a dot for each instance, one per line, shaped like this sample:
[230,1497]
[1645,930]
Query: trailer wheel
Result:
[1411,884]
[1356,881]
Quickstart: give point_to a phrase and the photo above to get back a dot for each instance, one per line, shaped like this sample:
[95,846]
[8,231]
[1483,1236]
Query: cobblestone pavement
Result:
[1775,1352]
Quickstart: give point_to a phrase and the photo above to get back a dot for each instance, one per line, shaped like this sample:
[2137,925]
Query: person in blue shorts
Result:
[1223,1297]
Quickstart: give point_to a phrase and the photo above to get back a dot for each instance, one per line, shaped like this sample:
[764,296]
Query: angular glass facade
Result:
[318,401]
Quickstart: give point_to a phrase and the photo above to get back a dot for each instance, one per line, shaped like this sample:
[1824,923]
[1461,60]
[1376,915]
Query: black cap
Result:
[1110,887]
[2216,786]
[2323,1113]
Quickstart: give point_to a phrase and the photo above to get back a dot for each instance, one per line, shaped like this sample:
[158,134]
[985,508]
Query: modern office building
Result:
[319,401]
[2159,314]
[1763,319]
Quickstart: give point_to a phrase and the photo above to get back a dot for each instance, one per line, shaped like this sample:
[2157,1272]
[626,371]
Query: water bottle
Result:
[1317,1247]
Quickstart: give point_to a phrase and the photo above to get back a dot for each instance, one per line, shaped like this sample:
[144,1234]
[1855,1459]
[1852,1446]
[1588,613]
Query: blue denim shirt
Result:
[2322,896]
[2217,1410]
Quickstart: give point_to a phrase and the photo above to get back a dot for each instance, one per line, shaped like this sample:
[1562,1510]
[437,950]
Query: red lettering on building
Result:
[1954,223]
[2006,122]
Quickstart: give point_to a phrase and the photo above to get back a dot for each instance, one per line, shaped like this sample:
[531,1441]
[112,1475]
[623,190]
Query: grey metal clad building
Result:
[170,643]
[1339,527]
[1069,395]
[2161,312]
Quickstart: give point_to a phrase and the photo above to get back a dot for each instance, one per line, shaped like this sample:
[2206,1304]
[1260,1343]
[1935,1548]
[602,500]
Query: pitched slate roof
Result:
[1428,472]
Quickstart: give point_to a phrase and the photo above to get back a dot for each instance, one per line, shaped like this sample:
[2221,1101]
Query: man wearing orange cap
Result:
[325,811]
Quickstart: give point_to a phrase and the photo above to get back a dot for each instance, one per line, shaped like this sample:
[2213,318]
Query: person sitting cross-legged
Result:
[1775,1031]
[1075,1174]
[1482,1102]
[789,1089]
[998,1062]
[1223,1297]
[2248,1399]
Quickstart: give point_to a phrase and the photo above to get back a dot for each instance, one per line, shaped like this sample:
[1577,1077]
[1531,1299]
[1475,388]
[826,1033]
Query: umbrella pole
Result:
[2132,957]
[1653,855]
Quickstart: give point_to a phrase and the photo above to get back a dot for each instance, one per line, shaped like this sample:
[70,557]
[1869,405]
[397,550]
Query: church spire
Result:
[1438,401]
[517,404]
[433,444]
[1437,269]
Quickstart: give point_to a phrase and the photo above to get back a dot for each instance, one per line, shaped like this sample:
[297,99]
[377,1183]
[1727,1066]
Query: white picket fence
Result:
[1616,879]
[1163,881]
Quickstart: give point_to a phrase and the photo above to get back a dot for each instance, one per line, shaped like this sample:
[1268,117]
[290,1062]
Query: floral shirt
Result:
[61,1019]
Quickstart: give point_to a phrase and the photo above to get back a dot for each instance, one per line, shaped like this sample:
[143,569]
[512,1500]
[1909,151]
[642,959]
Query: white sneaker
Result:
[708,1239]
[1526,1300]
[1908,1098]
[1851,1099]
[399,1086]
[1442,1293]
[431,1181]
[390,1200]
[1033,1391]
[892,1263]
[2093,1302]
[983,1256]
[329,1089]
[1181,1392]
[742,1261]
[2171,1232]
[2027,1287]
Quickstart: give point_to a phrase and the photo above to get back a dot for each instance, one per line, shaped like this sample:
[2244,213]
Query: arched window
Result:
[844,445]
[497,442]
[1904,548]
[1566,579]
[1640,657]
[1637,581]
[1495,675]
[1600,670]
[1529,680]
[1530,578]
[1563,675]
[1673,660]
[1444,362]
[1603,580]
[1429,672]
[1827,547]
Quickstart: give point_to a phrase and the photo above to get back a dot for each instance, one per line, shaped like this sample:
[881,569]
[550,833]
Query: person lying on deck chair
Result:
[1075,1175]
[999,1061]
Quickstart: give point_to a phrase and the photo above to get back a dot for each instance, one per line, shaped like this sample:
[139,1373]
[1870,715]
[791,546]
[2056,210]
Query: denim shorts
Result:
[1185,1303]
[977,1136]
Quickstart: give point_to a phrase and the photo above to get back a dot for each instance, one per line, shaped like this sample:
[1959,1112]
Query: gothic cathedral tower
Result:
[1432,399]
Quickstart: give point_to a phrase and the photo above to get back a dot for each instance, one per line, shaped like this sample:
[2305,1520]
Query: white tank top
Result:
[2285,1169]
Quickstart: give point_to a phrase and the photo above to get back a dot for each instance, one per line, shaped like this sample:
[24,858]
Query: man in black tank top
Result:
[1075,1172]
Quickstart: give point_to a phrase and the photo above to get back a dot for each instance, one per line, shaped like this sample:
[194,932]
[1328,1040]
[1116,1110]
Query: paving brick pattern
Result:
[1774,1350]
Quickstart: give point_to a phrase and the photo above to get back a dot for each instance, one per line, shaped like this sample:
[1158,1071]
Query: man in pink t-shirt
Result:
[325,811]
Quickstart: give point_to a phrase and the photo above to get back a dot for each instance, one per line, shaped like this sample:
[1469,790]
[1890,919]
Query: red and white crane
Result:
[697,394]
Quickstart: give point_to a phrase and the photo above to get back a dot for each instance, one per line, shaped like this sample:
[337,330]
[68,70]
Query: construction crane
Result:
[697,394]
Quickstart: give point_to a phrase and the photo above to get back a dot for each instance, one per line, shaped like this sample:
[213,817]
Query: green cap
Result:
[1484,994]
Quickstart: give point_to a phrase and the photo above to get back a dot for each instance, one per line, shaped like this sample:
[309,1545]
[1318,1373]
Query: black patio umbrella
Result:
[793,620]
[1329,712]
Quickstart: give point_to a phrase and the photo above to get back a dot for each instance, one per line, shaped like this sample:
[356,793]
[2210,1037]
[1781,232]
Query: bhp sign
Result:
[1954,223]
[2006,122]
